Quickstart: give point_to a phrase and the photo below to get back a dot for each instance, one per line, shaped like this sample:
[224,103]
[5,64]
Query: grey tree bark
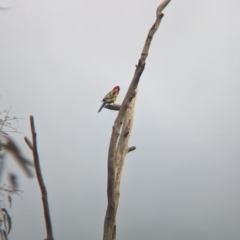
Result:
[121,131]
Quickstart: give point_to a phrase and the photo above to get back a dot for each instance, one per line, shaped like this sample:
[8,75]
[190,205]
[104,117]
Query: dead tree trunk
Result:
[121,130]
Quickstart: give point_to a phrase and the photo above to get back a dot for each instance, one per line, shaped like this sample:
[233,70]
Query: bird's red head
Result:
[116,89]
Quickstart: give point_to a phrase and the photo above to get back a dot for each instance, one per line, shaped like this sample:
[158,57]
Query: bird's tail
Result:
[102,107]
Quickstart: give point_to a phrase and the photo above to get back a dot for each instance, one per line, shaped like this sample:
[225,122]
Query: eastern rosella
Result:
[111,97]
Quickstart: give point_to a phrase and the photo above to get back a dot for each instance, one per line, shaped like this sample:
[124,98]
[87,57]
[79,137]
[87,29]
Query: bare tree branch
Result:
[28,142]
[153,29]
[33,147]
[115,107]
[121,130]
[131,149]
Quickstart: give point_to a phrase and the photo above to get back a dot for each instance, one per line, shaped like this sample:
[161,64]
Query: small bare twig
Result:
[11,191]
[28,142]
[6,123]
[5,119]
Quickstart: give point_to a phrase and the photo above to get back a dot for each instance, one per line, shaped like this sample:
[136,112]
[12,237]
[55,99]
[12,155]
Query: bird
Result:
[111,97]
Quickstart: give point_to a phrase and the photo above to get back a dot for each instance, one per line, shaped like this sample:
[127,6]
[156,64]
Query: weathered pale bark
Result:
[33,147]
[115,107]
[121,130]
[115,164]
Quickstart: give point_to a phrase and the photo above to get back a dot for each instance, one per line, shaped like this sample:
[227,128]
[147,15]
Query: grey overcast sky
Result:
[59,58]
